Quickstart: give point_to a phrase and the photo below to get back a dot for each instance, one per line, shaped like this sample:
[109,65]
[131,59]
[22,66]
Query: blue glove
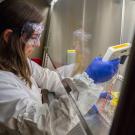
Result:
[105,95]
[94,108]
[102,71]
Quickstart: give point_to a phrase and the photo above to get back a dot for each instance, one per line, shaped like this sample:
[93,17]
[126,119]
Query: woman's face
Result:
[33,42]
[29,49]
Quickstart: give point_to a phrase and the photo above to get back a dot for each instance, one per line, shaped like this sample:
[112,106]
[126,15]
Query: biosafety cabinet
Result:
[76,31]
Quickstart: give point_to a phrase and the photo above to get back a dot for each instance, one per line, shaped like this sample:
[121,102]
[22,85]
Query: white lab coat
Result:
[66,70]
[22,111]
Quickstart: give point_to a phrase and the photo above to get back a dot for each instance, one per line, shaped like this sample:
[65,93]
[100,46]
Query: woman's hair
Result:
[13,15]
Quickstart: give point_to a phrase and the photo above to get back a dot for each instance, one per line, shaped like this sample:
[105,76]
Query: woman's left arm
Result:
[47,79]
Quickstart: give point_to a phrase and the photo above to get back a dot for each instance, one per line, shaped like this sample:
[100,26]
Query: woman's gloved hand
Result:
[102,71]
[103,95]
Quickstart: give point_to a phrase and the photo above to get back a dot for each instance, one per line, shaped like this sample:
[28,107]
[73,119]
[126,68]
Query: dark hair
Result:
[13,15]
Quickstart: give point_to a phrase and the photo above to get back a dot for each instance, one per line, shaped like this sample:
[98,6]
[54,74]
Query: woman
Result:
[21,80]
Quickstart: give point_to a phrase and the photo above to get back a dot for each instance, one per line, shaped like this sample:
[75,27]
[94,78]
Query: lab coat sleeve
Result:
[88,92]
[31,117]
[47,79]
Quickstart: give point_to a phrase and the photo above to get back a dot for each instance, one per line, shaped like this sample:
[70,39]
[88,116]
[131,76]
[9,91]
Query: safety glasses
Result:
[31,33]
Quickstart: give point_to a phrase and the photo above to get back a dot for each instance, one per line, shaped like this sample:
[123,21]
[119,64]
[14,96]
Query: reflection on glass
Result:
[77,55]
[73,44]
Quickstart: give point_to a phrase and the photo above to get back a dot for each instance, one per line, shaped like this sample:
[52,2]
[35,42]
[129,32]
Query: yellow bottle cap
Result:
[71,51]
